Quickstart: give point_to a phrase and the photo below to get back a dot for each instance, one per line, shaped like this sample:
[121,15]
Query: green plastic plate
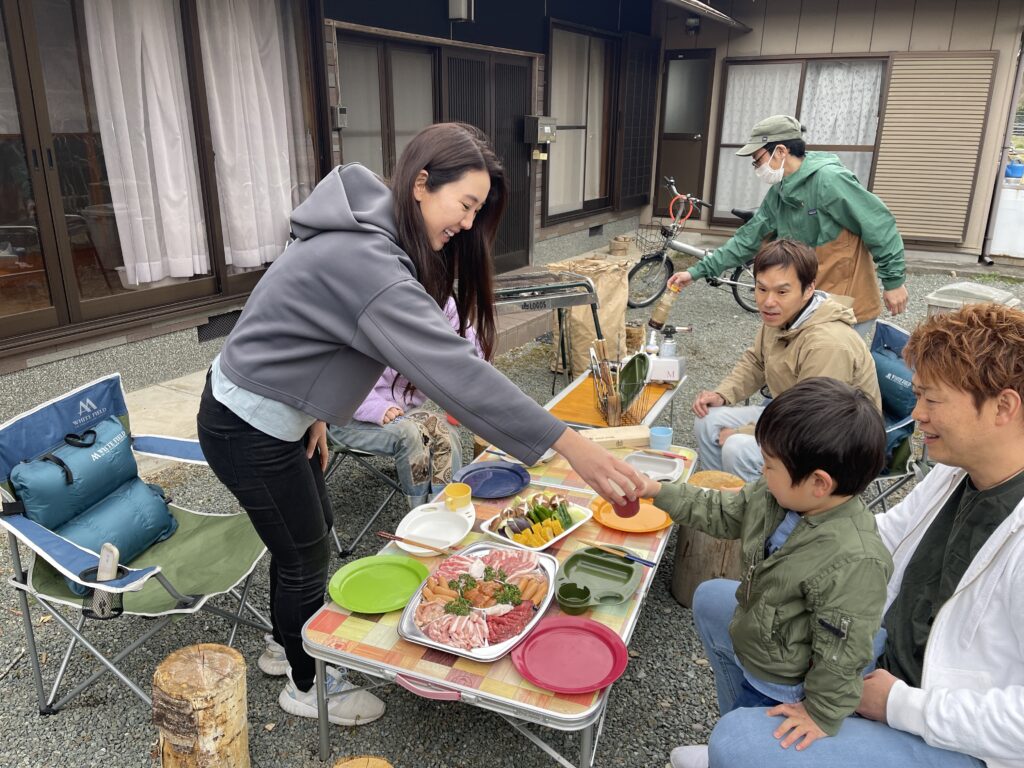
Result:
[610,579]
[377,584]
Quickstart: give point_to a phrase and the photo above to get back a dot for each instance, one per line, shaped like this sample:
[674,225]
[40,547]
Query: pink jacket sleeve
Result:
[384,396]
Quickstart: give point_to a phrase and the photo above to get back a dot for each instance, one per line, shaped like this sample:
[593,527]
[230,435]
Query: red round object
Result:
[571,654]
[628,509]
[451,420]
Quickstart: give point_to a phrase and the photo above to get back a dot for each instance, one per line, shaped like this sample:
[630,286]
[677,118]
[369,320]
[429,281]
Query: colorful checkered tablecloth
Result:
[335,634]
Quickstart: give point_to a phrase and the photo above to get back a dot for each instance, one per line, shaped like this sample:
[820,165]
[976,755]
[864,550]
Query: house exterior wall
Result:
[836,27]
[520,27]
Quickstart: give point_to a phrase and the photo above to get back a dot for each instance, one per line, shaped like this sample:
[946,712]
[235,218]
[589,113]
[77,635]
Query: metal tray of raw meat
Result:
[408,630]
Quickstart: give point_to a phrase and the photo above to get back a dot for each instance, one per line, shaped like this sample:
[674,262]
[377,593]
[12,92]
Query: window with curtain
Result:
[259,107]
[119,109]
[580,77]
[839,106]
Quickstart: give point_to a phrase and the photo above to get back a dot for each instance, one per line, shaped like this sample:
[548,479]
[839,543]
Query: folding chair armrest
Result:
[177,448]
[899,424]
[70,559]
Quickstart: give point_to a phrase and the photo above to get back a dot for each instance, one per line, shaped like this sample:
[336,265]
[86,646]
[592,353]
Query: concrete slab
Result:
[165,409]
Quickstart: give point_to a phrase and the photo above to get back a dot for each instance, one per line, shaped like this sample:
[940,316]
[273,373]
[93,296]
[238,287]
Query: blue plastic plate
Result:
[493,479]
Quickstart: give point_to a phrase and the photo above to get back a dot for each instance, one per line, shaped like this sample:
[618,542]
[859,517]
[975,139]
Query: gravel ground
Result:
[665,698]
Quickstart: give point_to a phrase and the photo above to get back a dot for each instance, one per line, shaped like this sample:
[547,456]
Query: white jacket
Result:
[971,698]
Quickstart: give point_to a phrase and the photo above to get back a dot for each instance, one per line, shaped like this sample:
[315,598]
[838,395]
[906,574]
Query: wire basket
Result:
[650,238]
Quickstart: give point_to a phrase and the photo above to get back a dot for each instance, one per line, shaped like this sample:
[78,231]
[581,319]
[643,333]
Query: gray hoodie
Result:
[342,303]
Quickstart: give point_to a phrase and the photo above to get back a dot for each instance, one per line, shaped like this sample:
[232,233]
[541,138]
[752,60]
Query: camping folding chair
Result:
[339,454]
[207,555]
[897,405]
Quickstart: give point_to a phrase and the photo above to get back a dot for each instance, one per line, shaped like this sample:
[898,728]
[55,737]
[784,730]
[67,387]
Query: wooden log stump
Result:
[199,707]
[363,761]
[700,557]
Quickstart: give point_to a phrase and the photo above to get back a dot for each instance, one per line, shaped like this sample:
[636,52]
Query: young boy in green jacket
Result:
[814,567]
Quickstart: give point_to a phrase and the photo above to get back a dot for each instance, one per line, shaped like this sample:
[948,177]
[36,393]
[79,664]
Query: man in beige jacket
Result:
[804,333]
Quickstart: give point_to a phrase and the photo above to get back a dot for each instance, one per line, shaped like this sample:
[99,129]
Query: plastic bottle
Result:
[660,314]
[668,343]
[651,347]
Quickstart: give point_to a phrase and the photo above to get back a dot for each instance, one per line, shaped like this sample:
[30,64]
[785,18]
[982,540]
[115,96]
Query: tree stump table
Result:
[199,707]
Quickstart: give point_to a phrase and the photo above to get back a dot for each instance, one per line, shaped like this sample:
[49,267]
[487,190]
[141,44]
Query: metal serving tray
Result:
[408,630]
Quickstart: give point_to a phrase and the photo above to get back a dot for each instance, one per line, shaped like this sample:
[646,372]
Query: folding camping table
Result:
[370,643]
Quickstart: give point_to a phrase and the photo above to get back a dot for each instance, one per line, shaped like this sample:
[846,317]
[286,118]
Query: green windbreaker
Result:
[850,229]
[810,611]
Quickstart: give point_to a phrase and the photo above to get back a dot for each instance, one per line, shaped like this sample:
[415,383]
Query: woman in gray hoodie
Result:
[362,288]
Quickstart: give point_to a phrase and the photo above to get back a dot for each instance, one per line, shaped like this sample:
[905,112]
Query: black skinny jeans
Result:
[286,499]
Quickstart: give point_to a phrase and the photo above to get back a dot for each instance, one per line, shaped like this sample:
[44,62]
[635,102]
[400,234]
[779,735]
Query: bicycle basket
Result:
[650,238]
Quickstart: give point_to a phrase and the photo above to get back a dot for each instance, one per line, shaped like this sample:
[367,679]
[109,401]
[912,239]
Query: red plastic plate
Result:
[571,654]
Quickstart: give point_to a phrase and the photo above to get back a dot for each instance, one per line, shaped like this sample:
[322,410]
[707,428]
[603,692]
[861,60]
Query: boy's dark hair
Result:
[788,253]
[796,147]
[822,423]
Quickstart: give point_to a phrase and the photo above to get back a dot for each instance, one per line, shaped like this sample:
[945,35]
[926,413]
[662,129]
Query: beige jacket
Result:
[820,342]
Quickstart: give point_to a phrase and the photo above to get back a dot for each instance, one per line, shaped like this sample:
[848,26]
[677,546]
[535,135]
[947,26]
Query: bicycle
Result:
[649,276]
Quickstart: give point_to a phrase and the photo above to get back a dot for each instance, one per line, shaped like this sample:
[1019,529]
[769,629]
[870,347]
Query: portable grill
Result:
[539,291]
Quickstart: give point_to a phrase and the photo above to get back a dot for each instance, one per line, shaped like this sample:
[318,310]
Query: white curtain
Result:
[145,122]
[262,148]
[753,92]
[841,101]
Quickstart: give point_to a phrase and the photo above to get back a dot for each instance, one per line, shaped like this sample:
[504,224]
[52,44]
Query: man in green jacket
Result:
[816,200]
[814,567]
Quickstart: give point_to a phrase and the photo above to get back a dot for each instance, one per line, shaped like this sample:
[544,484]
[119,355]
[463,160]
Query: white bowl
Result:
[662,468]
[439,528]
[468,511]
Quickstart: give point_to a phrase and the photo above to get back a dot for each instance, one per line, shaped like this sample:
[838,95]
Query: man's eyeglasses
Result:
[760,159]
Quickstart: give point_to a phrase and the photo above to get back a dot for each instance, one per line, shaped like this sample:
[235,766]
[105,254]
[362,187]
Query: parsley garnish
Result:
[508,594]
[459,607]
[490,574]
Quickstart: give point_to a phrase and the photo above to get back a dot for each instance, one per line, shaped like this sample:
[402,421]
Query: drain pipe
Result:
[993,214]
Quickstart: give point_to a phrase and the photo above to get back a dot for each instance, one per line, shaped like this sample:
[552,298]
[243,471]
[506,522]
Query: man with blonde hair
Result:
[949,687]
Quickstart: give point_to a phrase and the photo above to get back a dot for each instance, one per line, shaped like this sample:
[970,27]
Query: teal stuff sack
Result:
[898,399]
[132,518]
[76,475]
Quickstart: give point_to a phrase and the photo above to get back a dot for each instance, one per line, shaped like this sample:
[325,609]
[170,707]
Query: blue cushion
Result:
[132,518]
[98,465]
[898,398]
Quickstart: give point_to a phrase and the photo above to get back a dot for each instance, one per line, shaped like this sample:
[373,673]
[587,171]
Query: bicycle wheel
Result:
[743,286]
[647,279]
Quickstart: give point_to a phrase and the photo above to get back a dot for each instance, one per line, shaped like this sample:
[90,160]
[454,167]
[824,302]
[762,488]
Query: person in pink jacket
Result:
[393,421]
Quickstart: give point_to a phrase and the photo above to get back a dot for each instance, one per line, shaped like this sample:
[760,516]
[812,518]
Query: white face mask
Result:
[770,175]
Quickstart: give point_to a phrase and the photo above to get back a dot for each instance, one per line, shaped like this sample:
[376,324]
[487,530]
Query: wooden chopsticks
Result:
[412,542]
[624,553]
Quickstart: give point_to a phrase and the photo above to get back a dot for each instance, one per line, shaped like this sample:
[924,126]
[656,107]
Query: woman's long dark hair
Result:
[446,151]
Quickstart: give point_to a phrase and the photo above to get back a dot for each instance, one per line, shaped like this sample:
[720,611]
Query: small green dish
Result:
[573,599]
[377,584]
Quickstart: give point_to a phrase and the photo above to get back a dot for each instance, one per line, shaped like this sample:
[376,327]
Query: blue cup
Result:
[661,438]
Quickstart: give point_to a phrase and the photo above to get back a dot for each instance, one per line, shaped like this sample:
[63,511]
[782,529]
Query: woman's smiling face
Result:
[451,208]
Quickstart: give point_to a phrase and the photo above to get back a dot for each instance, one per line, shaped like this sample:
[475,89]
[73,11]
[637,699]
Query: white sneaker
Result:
[273,662]
[344,706]
[695,756]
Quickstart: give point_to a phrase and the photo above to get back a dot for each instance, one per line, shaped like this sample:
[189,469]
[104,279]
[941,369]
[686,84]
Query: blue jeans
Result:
[416,458]
[740,455]
[743,737]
